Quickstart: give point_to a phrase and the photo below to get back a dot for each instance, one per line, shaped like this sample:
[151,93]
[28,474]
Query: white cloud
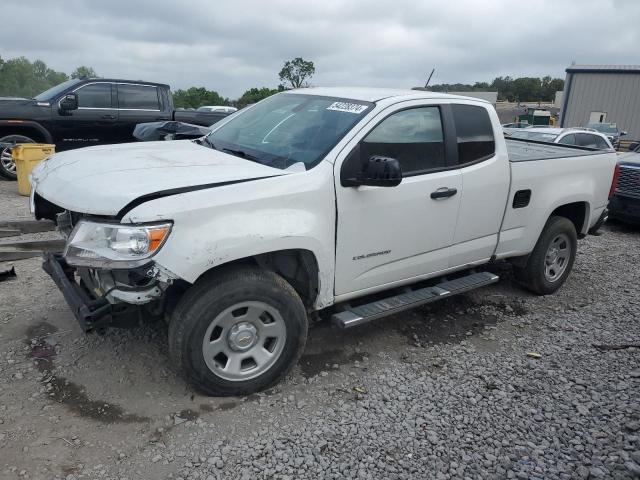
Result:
[237,45]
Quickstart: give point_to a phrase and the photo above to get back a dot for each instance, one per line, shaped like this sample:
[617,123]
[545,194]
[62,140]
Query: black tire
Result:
[209,298]
[533,276]
[5,170]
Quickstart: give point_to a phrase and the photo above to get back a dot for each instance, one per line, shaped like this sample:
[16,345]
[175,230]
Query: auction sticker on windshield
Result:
[347,107]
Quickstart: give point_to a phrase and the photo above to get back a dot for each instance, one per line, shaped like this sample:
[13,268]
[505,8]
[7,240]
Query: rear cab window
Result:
[138,97]
[474,133]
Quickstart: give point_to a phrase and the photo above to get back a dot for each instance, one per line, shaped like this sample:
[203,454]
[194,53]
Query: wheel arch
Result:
[577,212]
[297,266]
[27,128]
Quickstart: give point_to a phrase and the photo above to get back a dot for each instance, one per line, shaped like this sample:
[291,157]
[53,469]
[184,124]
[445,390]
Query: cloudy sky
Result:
[230,46]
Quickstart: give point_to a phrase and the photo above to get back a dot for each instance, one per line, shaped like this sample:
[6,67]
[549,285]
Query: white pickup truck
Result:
[310,200]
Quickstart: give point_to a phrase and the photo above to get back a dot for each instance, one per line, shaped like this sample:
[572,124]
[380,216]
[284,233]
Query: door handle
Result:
[444,192]
[109,117]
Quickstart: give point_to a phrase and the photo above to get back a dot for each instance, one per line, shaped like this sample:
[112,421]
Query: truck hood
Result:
[10,101]
[103,180]
[629,158]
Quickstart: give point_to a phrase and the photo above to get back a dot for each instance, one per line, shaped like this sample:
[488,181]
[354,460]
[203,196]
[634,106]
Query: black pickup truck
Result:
[89,111]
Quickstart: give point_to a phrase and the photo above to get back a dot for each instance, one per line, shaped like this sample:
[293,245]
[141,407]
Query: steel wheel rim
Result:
[8,164]
[557,257]
[244,341]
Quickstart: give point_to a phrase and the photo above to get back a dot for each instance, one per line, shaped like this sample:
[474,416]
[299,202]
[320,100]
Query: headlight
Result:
[114,245]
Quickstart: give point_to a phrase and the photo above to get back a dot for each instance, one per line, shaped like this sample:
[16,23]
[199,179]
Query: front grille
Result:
[629,181]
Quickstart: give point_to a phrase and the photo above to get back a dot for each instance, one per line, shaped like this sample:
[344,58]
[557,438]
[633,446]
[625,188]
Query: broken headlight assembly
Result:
[114,245]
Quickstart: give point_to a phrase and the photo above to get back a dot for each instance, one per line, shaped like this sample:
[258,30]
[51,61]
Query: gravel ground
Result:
[492,384]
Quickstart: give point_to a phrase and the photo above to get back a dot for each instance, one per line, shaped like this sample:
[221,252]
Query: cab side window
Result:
[601,143]
[586,140]
[568,139]
[475,140]
[414,137]
[95,95]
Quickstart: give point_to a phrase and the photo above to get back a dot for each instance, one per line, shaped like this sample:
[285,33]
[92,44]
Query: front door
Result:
[92,123]
[387,235]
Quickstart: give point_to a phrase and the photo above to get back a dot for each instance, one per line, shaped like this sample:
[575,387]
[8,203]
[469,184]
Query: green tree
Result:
[84,72]
[504,87]
[550,86]
[297,72]
[527,89]
[195,97]
[522,89]
[19,77]
[254,95]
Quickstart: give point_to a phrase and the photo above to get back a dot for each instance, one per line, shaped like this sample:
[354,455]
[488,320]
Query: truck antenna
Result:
[429,79]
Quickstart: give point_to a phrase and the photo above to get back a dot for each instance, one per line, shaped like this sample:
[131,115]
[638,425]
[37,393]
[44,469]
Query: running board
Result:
[388,306]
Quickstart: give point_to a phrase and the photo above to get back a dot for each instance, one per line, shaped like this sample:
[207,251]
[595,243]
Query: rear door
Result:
[484,166]
[93,123]
[387,235]
[137,103]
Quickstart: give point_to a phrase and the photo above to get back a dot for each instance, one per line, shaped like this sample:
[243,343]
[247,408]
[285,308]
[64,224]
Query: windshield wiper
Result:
[237,153]
[241,154]
[206,140]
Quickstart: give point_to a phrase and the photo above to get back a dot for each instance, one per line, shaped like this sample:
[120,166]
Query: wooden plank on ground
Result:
[28,225]
[9,233]
[56,245]
[11,256]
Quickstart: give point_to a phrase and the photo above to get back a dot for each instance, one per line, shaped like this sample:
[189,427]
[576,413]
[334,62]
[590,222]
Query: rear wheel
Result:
[238,332]
[7,164]
[552,258]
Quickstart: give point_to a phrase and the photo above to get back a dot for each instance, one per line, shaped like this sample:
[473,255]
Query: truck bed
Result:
[204,119]
[521,150]
[577,177]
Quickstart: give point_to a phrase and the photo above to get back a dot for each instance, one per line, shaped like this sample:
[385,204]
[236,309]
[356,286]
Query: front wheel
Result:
[7,163]
[238,332]
[552,258]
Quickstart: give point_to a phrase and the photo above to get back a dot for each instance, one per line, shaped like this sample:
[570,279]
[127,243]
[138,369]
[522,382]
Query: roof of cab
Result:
[368,94]
[121,80]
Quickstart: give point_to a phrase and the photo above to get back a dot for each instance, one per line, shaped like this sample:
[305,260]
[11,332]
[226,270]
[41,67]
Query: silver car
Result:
[566,136]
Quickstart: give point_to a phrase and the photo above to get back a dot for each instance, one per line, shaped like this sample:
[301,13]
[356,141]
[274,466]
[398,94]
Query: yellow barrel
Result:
[27,156]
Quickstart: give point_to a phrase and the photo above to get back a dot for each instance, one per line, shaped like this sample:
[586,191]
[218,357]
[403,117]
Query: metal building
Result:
[602,94]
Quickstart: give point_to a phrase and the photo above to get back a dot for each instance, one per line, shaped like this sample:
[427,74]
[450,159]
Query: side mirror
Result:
[380,172]
[69,102]
[623,133]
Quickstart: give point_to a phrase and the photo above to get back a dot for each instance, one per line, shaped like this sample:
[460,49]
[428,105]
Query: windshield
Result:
[286,129]
[537,136]
[603,127]
[54,91]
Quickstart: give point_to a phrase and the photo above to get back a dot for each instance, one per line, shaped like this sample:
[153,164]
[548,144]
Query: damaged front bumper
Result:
[98,306]
[90,313]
